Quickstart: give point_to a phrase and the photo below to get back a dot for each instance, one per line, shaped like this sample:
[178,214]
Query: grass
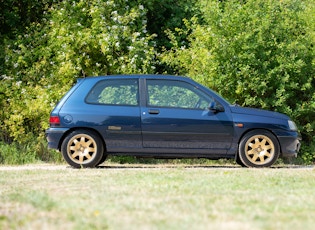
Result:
[146,196]
[33,152]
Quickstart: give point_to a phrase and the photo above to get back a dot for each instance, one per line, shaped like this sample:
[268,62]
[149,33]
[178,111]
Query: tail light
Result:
[54,121]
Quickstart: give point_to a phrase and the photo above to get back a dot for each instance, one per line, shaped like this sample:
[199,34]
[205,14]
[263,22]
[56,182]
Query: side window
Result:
[114,92]
[176,94]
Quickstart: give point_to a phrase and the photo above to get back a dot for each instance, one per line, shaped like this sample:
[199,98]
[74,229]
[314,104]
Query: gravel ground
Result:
[138,166]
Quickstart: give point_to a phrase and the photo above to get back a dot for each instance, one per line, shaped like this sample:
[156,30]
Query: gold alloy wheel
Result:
[82,149]
[259,149]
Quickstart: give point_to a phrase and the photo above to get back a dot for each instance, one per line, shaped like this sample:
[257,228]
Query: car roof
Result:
[140,76]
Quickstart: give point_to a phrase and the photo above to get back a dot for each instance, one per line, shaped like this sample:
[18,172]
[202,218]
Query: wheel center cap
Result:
[259,150]
[81,148]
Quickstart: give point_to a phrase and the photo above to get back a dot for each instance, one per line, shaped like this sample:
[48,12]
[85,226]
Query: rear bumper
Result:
[54,137]
[290,145]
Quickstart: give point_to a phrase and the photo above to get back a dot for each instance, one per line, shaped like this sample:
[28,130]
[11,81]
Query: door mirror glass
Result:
[216,107]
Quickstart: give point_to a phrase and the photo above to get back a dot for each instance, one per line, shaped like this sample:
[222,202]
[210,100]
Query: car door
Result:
[176,116]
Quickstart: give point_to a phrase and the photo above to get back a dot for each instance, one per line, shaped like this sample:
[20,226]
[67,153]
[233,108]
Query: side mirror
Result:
[214,107]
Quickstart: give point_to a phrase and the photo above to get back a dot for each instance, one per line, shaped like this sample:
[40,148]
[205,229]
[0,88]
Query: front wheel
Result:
[259,148]
[82,148]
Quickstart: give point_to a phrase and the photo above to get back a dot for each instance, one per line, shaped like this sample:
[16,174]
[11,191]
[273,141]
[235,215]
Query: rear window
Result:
[114,92]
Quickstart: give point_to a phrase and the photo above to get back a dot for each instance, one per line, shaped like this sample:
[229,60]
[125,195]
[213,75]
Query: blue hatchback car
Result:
[164,117]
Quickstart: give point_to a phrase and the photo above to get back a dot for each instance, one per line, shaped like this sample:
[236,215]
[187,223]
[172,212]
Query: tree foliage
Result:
[76,39]
[255,53]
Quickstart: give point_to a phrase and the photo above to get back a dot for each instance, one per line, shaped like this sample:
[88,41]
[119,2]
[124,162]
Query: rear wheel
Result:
[259,148]
[82,148]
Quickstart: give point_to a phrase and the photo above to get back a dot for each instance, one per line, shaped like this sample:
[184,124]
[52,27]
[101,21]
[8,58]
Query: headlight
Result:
[292,125]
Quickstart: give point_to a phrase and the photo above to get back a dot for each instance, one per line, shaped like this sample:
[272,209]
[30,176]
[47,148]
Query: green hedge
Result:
[255,53]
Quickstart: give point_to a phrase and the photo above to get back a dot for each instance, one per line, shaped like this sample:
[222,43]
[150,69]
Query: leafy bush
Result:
[75,39]
[255,53]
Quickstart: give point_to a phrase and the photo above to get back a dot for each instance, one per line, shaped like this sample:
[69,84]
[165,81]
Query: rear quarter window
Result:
[114,92]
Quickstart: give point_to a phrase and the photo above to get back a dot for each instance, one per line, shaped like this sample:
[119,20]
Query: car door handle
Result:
[154,111]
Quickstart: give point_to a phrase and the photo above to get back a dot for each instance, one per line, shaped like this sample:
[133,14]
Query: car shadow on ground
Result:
[178,166]
[161,166]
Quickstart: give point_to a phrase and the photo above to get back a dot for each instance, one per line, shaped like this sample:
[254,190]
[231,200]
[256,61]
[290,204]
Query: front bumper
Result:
[290,145]
[54,137]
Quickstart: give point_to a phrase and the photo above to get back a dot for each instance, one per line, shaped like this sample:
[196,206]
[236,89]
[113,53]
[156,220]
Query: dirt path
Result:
[140,167]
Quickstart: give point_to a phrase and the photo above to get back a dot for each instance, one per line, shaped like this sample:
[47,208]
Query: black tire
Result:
[104,157]
[239,162]
[82,149]
[259,148]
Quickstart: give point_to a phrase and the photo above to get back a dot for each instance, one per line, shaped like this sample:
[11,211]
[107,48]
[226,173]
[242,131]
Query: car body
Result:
[164,116]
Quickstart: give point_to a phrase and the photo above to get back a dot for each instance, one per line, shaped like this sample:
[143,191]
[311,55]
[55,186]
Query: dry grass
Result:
[156,197]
